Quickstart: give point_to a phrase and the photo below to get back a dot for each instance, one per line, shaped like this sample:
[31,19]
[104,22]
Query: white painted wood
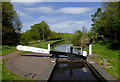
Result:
[48,47]
[32,49]
[90,49]
[84,53]
[67,49]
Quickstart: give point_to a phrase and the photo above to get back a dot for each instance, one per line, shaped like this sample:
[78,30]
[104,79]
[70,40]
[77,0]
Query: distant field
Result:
[45,45]
[67,35]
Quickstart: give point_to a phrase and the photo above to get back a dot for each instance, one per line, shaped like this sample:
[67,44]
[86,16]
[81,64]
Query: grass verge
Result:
[9,49]
[111,55]
[8,75]
[45,45]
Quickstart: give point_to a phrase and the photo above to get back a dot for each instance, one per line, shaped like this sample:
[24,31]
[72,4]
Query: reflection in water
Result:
[72,71]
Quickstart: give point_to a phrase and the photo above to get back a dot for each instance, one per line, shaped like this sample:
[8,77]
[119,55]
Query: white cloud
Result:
[60,26]
[74,10]
[27,3]
[24,15]
[65,10]
[41,9]
[70,26]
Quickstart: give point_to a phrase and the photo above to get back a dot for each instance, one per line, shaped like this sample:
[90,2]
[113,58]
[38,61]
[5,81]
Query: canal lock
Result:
[71,68]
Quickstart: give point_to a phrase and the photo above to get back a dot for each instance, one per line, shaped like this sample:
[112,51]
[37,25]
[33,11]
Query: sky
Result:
[66,17]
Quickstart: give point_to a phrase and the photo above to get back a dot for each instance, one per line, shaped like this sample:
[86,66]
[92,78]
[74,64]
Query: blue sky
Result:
[64,17]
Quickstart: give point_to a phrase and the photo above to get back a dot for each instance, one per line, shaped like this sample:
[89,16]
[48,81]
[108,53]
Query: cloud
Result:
[74,10]
[65,10]
[70,26]
[24,15]
[27,3]
[41,9]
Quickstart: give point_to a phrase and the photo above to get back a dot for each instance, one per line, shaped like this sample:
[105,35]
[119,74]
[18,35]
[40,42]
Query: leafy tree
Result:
[107,23]
[40,31]
[11,25]
[75,39]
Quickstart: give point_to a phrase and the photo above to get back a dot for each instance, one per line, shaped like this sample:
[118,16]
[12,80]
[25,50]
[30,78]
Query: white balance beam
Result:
[33,49]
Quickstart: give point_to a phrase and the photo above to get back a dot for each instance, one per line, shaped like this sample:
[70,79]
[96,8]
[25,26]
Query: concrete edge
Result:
[100,72]
[47,73]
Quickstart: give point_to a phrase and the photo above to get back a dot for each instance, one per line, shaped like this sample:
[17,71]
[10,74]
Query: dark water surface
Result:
[71,70]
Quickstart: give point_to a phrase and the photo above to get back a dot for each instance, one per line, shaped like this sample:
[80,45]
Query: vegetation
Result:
[80,38]
[104,35]
[8,75]
[11,25]
[102,48]
[106,26]
[107,23]
[8,49]
[67,36]
[39,31]
[76,37]
[45,45]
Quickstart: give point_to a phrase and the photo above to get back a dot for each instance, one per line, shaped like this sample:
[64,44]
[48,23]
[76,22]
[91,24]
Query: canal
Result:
[71,70]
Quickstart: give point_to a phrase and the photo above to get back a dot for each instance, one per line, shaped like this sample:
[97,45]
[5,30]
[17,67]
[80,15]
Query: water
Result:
[71,70]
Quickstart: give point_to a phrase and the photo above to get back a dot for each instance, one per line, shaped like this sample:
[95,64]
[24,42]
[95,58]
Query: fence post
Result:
[71,50]
[104,62]
[90,49]
[67,49]
[48,47]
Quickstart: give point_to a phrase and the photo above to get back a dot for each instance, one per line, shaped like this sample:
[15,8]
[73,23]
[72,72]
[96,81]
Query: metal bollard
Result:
[71,49]
[104,62]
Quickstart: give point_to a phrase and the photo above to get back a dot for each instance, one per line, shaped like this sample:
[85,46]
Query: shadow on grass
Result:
[113,45]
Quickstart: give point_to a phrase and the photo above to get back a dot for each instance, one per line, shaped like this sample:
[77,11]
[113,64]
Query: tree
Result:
[38,31]
[75,39]
[107,23]
[11,25]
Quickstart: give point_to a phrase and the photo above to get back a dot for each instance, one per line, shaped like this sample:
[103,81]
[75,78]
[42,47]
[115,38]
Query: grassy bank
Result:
[111,55]
[8,75]
[45,45]
[9,49]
